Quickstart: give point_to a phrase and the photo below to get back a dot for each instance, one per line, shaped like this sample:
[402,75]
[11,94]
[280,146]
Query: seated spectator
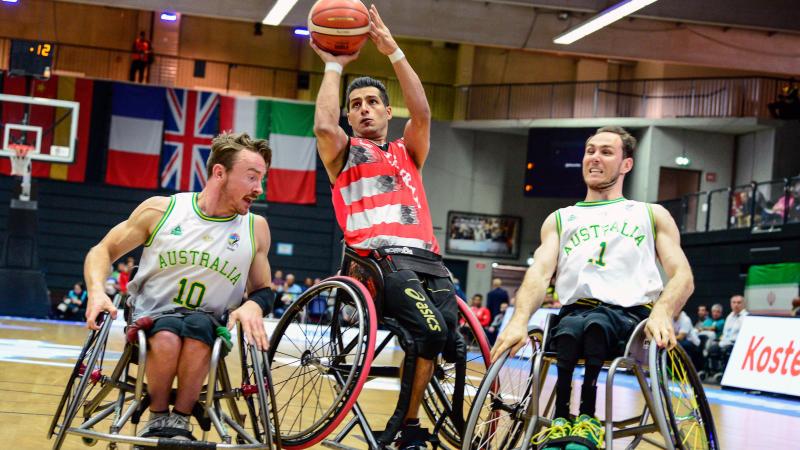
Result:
[123,276]
[687,337]
[277,280]
[720,351]
[291,291]
[72,304]
[702,315]
[712,326]
[480,312]
[796,307]
[494,327]
[307,283]
[457,286]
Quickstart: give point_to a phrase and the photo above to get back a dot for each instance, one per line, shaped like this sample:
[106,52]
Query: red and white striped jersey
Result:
[379,198]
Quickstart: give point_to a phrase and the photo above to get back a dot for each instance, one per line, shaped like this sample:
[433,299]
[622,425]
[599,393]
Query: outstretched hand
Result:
[379,33]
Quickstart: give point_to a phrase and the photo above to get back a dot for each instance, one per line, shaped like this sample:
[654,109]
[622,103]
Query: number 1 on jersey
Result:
[189,300]
[599,261]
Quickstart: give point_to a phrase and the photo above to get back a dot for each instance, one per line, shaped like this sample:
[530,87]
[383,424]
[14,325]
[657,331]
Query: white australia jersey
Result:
[193,261]
[607,252]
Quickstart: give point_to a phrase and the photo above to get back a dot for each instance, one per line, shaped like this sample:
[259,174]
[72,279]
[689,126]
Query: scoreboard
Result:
[33,58]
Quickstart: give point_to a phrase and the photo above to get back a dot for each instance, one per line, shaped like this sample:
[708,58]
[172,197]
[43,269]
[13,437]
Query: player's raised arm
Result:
[681,282]
[331,138]
[531,293]
[417,134]
[121,239]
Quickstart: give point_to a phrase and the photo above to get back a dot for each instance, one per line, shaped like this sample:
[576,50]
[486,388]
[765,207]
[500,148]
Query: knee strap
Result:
[408,345]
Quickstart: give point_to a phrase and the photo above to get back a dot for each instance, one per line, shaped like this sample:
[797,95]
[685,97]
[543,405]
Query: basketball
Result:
[339,26]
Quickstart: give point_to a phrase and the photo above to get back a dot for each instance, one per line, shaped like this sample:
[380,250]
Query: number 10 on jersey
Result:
[191,298]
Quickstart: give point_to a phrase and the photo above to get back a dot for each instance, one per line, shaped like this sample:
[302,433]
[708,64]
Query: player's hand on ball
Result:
[659,328]
[252,319]
[330,57]
[380,34]
[98,302]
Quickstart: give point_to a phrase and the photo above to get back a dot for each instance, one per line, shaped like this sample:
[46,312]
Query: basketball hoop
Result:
[20,160]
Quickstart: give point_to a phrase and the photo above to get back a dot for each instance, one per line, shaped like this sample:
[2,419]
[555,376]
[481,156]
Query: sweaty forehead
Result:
[605,139]
[369,91]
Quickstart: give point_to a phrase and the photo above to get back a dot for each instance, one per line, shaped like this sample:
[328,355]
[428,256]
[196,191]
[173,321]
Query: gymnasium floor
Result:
[36,356]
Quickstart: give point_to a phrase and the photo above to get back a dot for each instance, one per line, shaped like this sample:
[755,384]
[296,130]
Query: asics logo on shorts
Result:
[424,309]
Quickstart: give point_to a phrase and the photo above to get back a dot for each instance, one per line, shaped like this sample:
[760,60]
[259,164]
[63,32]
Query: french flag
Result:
[134,143]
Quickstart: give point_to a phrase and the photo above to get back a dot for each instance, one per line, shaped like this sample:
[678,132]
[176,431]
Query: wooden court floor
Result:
[36,357]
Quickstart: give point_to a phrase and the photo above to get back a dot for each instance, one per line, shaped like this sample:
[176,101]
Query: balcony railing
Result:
[760,206]
[658,98]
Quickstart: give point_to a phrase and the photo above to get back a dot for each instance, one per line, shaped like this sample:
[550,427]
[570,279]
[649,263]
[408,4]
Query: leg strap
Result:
[406,380]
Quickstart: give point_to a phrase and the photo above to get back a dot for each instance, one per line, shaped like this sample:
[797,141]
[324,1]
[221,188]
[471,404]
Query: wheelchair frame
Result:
[437,401]
[640,356]
[132,391]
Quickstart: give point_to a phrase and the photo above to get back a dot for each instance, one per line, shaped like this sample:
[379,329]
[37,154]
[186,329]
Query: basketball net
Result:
[21,166]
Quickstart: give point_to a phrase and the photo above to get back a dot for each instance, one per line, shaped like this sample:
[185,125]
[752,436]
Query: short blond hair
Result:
[227,145]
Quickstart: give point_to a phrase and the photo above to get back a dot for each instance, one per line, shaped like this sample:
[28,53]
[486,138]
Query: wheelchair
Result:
[508,412]
[117,400]
[320,364]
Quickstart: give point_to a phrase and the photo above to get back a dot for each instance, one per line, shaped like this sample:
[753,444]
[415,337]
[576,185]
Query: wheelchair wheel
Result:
[85,375]
[257,392]
[497,419]
[445,391]
[319,365]
[681,393]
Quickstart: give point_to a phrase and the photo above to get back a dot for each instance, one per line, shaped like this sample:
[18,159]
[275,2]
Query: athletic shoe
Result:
[411,437]
[178,427]
[157,421]
[589,429]
[559,429]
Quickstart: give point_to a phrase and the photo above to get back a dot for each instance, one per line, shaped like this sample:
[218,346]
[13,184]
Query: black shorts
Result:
[197,326]
[616,322]
[425,305]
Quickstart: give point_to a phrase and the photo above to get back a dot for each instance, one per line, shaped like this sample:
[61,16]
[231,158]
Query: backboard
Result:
[49,125]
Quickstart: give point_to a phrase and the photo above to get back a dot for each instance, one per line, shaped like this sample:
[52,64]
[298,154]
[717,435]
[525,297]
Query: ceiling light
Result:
[10,1]
[601,20]
[683,161]
[301,31]
[169,16]
[278,12]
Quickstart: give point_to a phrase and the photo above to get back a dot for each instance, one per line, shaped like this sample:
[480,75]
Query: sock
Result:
[589,390]
[158,413]
[563,390]
[180,413]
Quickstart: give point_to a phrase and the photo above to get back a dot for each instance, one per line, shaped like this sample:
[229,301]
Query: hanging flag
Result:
[292,176]
[137,115]
[54,125]
[192,120]
[770,288]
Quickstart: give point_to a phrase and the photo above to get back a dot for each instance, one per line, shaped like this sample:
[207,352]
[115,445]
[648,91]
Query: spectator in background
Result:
[141,57]
[130,262]
[480,311]
[291,291]
[712,326]
[496,296]
[688,338]
[122,278]
[796,307]
[702,315]
[277,281]
[459,292]
[494,327]
[719,352]
[307,283]
[72,303]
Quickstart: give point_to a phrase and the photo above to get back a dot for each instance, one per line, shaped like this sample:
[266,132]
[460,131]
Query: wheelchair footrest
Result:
[180,444]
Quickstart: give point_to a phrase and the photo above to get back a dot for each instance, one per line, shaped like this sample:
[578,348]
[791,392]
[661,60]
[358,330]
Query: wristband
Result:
[264,298]
[397,55]
[333,66]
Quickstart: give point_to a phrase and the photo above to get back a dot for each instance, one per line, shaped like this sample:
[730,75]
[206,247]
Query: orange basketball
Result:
[339,26]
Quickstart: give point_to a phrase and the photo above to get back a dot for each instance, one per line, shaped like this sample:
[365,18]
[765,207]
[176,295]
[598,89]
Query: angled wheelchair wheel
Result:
[451,392]
[258,395]
[678,389]
[497,419]
[84,377]
[320,362]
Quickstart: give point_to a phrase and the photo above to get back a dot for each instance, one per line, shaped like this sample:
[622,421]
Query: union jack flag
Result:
[192,120]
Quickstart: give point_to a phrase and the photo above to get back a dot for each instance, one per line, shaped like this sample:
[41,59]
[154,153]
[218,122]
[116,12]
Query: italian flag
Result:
[289,127]
[770,288]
